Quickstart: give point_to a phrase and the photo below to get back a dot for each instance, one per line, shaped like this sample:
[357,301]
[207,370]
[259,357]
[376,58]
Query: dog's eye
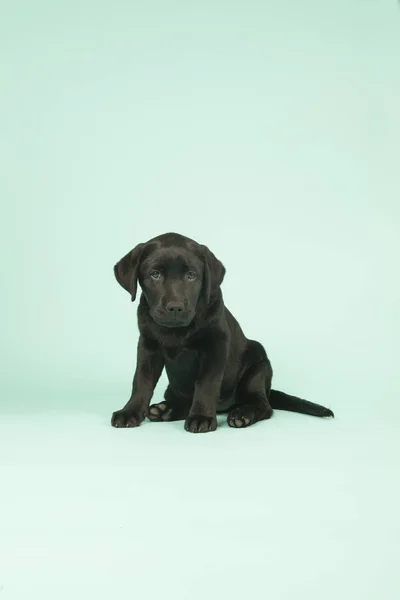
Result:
[155,274]
[191,275]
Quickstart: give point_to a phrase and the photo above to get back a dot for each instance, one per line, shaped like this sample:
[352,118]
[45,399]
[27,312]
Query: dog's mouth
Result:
[173,323]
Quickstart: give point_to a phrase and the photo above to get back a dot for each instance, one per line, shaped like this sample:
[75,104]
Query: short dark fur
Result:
[186,328]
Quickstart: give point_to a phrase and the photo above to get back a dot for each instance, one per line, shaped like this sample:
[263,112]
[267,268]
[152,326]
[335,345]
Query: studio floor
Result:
[292,508]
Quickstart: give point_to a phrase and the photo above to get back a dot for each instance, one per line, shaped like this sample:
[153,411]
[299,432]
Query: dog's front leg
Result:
[213,360]
[148,370]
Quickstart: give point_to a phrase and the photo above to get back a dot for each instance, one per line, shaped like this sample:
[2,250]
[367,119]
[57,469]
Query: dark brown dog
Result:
[185,327]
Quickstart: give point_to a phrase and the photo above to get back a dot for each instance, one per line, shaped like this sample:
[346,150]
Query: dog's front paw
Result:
[126,418]
[200,424]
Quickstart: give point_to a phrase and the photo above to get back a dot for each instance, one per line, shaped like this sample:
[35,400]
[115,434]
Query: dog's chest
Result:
[181,364]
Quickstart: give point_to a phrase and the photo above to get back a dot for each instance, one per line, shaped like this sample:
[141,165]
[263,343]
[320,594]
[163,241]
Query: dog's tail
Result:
[282,401]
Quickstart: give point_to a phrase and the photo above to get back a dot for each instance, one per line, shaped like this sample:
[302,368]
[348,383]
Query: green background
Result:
[270,132]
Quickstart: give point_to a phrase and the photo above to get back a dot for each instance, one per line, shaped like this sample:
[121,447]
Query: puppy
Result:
[186,328]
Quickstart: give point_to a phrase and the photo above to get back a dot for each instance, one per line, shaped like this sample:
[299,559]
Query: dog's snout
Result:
[175,308]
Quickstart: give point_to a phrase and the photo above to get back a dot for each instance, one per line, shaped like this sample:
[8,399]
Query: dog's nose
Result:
[175,308]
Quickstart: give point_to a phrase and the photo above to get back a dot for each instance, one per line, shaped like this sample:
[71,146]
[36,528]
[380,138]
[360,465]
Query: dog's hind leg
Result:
[251,396]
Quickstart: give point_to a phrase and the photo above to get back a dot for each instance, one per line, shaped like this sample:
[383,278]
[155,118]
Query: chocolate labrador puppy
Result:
[185,327]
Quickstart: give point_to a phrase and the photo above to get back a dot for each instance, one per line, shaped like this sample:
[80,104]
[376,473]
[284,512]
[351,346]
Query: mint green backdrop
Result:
[270,132]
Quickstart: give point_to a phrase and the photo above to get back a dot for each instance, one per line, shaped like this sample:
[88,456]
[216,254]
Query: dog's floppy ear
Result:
[214,273]
[126,271]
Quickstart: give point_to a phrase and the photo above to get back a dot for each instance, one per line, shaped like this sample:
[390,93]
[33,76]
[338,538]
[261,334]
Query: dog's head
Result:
[175,273]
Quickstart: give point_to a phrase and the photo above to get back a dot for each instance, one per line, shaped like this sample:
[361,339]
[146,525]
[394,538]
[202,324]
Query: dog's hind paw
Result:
[164,411]
[248,414]
[159,412]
